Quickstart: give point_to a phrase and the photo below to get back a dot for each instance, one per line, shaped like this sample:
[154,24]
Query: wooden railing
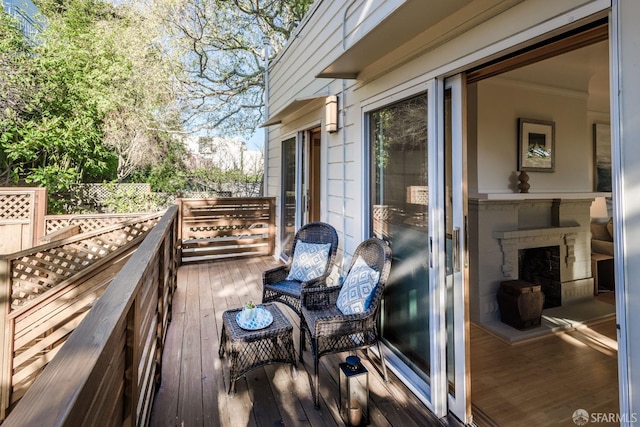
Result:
[107,370]
[47,290]
[229,227]
[86,222]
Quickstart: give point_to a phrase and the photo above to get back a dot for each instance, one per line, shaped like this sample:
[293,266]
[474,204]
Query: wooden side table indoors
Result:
[602,271]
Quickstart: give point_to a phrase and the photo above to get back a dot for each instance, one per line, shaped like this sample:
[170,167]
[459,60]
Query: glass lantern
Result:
[354,392]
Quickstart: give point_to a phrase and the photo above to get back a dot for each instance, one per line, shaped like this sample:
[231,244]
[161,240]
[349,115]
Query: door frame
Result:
[459,402]
[311,141]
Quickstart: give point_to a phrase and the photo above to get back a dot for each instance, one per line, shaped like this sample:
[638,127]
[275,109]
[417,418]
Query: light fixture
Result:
[331,114]
[354,392]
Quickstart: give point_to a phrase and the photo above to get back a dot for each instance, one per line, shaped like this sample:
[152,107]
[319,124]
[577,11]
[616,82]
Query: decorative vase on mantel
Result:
[524,182]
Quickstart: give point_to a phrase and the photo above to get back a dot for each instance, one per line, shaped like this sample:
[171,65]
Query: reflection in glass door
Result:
[399,202]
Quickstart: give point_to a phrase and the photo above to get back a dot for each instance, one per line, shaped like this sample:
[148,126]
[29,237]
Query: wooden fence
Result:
[108,369]
[21,217]
[46,291]
[229,227]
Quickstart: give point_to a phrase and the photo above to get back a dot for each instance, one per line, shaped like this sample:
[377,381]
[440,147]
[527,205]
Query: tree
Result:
[92,100]
[220,49]
[14,53]
[46,138]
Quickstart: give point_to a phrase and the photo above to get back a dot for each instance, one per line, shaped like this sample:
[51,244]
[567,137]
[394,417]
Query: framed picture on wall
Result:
[602,156]
[536,145]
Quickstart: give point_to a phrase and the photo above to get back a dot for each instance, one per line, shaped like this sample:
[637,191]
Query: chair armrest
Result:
[275,275]
[336,325]
[318,282]
[318,298]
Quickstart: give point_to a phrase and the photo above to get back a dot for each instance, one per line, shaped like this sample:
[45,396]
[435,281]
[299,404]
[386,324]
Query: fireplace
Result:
[503,228]
[541,266]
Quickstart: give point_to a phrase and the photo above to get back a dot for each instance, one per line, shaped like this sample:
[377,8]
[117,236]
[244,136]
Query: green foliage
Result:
[128,200]
[55,138]
[99,95]
[88,102]
[168,174]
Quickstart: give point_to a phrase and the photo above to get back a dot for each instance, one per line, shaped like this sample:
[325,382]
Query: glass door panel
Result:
[288,197]
[399,204]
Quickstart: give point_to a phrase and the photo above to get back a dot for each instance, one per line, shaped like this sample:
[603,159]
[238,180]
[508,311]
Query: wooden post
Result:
[40,211]
[272,226]
[6,343]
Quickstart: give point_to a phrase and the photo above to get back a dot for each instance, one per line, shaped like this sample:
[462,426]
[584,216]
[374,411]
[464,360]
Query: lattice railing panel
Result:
[39,271]
[87,223]
[15,206]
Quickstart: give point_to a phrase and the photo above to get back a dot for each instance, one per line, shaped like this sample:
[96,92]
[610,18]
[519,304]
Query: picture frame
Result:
[536,145]
[602,157]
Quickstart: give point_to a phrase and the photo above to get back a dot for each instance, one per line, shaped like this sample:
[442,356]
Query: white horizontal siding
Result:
[318,42]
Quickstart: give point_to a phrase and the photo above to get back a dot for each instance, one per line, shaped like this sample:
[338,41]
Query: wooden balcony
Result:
[143,350]
[193,391]
[118,360]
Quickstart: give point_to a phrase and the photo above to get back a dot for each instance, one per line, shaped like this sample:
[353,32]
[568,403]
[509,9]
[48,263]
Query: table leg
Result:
[223,341]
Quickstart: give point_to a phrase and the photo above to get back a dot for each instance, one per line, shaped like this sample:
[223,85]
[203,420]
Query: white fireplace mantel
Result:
[512,241]
[506,223]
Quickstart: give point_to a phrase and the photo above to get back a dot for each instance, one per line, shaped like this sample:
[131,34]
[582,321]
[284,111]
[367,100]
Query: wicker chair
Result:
[329,330]
[275,287]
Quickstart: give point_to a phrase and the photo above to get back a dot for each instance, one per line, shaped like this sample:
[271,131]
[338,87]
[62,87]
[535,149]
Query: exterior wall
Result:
[392,77]
[472,35]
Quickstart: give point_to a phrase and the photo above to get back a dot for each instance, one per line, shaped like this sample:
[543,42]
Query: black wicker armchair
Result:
[276,286]
[331,331]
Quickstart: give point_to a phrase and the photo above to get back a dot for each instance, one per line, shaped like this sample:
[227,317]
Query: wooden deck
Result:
[195,380]
[543,381]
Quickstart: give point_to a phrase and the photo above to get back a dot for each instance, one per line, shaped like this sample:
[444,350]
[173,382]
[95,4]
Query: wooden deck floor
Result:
[195,379]
[537,383]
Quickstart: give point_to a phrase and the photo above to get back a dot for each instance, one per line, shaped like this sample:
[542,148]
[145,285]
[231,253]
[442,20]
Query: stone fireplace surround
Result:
[500,225]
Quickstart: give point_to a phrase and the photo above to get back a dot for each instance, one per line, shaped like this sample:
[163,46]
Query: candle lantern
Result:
[354,392]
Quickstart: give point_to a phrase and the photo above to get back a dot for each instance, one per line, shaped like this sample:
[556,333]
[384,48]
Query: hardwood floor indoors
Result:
[543,381]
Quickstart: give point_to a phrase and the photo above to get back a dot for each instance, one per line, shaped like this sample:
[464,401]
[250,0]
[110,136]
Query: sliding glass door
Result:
[417,204]
[399,215]
[288,196]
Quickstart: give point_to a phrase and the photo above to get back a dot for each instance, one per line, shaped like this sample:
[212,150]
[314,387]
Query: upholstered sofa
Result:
[602,237]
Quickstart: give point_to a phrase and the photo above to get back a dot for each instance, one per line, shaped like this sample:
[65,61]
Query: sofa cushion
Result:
[602,247]
[599,232]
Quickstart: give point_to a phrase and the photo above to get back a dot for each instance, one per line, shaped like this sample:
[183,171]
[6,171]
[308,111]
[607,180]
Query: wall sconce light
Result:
[331,114]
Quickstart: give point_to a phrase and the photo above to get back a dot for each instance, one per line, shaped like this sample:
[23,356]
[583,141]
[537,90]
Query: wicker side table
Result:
[250,349]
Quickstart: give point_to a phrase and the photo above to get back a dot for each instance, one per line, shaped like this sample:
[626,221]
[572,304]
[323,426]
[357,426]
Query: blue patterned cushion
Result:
[309,261]
[358,288]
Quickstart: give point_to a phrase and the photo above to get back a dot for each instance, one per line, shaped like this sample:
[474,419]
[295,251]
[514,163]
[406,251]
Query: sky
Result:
[256,142]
